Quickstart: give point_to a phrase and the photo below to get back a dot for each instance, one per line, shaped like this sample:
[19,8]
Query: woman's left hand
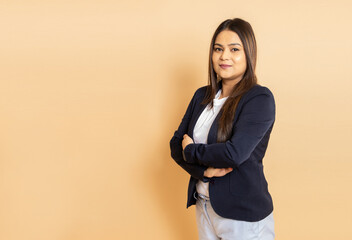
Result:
[186,140]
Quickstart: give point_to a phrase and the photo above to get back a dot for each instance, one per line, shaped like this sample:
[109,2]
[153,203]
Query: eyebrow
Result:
[231,44]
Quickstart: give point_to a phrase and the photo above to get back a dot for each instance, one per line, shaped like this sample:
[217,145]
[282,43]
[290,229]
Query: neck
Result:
[227,88]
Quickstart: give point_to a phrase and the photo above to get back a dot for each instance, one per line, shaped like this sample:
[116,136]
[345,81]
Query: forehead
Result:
[227,37]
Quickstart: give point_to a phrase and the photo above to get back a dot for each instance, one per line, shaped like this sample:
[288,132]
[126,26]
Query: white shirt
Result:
[201,131]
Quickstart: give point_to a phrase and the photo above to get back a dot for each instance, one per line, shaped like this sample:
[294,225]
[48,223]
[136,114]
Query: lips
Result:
[224,66]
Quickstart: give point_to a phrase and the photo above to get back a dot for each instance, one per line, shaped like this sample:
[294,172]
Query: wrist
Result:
[206,173]
[186,145]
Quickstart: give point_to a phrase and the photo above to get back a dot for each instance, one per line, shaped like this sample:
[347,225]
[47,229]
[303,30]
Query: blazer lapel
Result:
[198,110]
[213,132]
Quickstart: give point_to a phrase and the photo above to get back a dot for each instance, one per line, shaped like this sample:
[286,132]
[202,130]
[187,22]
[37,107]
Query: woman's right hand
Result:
[216,172]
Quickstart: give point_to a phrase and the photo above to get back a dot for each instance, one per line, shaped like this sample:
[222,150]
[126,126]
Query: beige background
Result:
[92,91]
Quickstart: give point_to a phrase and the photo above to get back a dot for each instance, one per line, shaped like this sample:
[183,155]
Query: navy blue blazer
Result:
[243,193]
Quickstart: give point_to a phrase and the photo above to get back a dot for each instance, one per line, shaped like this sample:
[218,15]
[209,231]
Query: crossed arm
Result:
[209,160]
[198,171]
[210,171]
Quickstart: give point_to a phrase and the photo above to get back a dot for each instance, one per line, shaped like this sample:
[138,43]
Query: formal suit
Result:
[243,193]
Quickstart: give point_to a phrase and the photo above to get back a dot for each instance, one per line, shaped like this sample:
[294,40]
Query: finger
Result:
[222,170]
[219,172]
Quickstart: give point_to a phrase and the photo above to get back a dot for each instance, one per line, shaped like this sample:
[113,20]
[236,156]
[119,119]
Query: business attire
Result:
[241,195]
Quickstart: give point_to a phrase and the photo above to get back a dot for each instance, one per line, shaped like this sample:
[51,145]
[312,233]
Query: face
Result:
[229,59]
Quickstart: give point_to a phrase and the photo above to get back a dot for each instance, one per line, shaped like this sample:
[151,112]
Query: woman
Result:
[222,140]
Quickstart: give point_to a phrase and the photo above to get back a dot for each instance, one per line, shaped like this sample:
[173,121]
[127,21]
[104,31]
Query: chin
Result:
[231,80]
[228,78]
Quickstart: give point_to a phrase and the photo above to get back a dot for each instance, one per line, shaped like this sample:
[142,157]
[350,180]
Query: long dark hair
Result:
[246,34]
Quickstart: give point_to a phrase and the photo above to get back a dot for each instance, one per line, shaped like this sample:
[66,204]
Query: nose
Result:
[225,54]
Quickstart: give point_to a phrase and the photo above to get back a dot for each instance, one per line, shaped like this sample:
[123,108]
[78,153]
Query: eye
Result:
[217,49]
[234,49]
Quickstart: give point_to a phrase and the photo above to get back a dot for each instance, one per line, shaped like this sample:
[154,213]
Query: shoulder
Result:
[259,99]
[257,91]
[200,93]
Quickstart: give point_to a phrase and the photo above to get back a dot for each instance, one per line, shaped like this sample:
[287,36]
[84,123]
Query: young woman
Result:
[222,140]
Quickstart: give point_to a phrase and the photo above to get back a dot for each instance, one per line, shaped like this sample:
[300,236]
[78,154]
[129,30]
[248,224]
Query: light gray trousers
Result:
[213,227]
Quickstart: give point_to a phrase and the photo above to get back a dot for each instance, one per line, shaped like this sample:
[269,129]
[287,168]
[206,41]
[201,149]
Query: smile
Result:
[224,66]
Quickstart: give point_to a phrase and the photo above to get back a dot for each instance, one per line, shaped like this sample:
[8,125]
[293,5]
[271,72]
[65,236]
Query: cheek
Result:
[240,59]
[213,59]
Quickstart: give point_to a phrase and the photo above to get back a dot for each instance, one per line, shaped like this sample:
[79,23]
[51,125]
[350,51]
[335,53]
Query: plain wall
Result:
[92,91]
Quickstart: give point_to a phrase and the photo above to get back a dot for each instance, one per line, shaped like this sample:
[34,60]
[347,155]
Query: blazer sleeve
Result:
[194,169]
[256,118]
